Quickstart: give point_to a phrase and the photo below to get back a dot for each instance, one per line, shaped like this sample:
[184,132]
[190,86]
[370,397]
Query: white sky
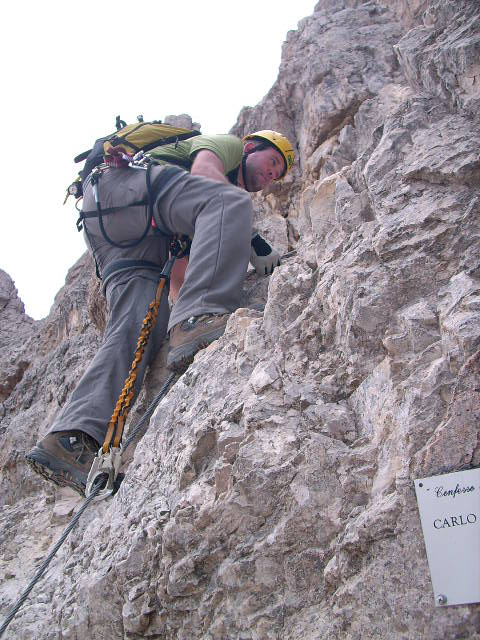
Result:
[68,68]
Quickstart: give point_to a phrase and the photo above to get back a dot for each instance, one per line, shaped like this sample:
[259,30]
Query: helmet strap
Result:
[244,170]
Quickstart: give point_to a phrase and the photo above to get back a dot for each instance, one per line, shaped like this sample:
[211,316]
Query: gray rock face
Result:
[14,329]
[183,120]
[272,496]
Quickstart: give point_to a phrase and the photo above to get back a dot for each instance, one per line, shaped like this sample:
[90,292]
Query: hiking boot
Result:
[189,336]
[65,458]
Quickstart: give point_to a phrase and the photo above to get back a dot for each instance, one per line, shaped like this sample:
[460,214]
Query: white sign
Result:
[450,513]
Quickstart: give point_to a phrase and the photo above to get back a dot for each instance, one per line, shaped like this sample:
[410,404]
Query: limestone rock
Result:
[183,120]
[15,328]
[441,57]
[272,496]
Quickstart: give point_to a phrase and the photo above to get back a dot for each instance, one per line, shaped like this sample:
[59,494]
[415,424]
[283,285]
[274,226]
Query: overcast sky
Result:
[68,68]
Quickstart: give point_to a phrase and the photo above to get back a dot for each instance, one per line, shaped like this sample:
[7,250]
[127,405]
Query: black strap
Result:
[232,176]
[171,140]
[244,171]
[129,264]
[119,139]
[83,215]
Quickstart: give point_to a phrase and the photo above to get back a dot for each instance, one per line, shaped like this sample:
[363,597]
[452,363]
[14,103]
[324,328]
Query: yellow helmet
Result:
[279,141]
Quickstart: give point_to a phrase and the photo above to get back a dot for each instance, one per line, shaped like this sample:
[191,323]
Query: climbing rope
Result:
[122,408]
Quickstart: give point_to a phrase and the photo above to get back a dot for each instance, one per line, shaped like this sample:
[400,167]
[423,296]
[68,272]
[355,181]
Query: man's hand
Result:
[263,256]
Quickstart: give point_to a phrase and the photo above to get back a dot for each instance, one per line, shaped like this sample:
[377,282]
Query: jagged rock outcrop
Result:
[183,120]
[272,496]
[14,329]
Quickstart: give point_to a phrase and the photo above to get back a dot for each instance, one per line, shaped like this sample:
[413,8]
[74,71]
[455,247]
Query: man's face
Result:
[263,167]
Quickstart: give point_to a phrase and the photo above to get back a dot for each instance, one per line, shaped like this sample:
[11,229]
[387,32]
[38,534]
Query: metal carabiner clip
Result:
[104,464]
[139,161]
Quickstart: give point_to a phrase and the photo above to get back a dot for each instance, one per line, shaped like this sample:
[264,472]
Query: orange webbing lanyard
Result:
[120,413]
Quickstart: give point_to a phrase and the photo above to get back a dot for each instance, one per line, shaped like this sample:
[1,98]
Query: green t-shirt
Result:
[227,147]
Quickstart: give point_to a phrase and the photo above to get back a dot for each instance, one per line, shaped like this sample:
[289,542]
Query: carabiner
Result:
[104,464]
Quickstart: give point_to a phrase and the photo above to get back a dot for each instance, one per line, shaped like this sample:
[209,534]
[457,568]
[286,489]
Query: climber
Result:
[200,190]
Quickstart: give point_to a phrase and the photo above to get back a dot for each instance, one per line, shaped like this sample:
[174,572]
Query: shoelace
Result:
[196,319]
[83,444]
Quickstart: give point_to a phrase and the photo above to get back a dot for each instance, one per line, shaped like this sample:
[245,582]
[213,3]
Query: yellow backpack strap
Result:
[145,136]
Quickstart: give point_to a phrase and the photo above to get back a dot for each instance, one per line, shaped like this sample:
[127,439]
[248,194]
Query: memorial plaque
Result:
[450,514]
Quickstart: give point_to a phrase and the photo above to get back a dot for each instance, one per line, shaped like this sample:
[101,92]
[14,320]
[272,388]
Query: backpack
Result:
[130,140]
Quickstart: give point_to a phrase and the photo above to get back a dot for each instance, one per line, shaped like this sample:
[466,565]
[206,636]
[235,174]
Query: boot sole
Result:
[53,470]
[180,358]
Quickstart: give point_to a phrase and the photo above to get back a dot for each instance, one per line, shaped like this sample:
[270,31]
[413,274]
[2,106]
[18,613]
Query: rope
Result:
[48,559]
[122,407]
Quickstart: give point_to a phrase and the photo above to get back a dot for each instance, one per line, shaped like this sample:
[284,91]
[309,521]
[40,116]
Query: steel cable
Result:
[151,408]
[41,570]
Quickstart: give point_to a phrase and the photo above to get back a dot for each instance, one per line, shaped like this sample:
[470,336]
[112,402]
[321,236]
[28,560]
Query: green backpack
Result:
[130,140]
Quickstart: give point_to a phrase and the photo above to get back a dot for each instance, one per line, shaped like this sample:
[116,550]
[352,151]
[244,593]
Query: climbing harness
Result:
[96,489]
[108,460]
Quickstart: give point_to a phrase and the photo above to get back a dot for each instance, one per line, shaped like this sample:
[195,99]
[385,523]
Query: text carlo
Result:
[458,520]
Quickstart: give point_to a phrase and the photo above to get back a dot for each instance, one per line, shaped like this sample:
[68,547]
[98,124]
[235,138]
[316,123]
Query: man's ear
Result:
[249,146]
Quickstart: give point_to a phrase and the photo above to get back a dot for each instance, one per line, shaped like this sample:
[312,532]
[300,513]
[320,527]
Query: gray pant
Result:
[218,216]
